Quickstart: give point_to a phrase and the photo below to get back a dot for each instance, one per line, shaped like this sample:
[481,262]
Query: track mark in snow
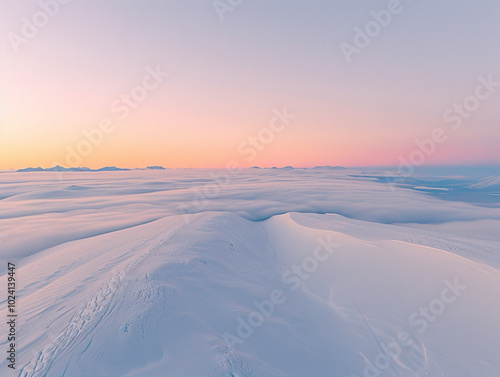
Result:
[96,308]
[230,364]
[372,333]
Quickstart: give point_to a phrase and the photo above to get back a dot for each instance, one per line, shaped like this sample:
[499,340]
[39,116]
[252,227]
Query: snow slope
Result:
[114,281]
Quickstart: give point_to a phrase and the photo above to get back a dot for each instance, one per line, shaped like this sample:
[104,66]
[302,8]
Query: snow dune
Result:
[115,280]
[77,205]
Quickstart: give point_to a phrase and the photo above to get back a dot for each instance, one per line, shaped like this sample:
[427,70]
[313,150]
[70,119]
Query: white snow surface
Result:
[266,273]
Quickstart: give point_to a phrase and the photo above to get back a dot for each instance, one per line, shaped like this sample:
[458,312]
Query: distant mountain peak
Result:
[155,168]
[328,167]
[60,168]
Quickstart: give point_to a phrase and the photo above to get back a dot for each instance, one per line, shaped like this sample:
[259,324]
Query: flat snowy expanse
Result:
[260,272]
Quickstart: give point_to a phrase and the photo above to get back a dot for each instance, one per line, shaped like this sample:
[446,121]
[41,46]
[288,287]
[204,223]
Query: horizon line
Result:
[161,167]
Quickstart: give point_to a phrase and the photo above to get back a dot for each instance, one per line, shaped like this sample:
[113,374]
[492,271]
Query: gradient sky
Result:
[226,77]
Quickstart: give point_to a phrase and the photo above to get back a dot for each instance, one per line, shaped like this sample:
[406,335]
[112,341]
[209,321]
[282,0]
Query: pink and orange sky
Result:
[227,77]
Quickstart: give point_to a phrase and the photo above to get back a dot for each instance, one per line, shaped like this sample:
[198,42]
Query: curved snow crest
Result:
[83,203]
[158,298]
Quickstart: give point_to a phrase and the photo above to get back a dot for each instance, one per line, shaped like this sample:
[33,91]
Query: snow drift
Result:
[115,280]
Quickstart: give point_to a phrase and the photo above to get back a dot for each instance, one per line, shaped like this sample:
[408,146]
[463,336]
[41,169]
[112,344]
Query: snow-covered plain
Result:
[258,272]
